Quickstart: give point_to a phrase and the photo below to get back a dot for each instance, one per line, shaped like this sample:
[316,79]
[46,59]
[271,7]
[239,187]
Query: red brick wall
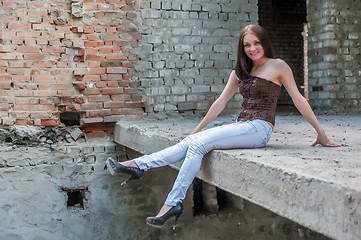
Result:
[53,60]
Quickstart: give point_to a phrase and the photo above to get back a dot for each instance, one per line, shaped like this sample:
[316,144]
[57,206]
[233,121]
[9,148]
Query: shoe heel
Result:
[176,220]
[127,180]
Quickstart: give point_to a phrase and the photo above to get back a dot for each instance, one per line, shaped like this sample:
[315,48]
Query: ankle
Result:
[165,208]
[130,163]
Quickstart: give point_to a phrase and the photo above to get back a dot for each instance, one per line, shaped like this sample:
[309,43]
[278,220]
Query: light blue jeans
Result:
[248,134]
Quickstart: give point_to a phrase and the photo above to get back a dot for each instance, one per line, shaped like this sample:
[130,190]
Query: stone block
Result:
[180,89]
[189,64]
[166,5]
[189,73]
[193,24]
[90,159]
[178,15]
[181,31]
[179,64]
[199,56]
[77,9]
[154,39]
[220,32]
[196,7]
[173,23]
[159,65]
[158,107]
[200,88]
[222,48]
[73,150]
[203,15]
[168,73]
[233,7]
[201,32]
[193,15]
[87,150]
[217,89]
[195,97]
[176,98]
[211,7]
[110,149]
[186,6]
[212,24]
[209,72]
[99,149]
[101,158]
[78,159]
[170,107]
[176,6]
[154,4]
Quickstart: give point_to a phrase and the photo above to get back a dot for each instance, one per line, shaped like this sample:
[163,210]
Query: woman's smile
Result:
[253,47]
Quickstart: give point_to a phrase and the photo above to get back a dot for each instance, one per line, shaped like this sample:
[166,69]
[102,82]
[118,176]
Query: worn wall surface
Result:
[36,183]
[334,55]
[67,56]
[188,49]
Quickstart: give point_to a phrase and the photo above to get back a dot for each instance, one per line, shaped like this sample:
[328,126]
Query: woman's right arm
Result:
[287,79]
[221,102]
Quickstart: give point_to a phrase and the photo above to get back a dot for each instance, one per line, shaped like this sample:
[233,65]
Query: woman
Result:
[259,77]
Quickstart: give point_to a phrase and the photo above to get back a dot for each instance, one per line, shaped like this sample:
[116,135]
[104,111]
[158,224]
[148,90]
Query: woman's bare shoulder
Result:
[278,62]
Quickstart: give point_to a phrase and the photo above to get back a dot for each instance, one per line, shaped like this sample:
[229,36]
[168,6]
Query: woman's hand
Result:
[194,131]
[323,140]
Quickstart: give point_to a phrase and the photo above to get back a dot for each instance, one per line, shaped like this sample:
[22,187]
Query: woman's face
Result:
[253,47]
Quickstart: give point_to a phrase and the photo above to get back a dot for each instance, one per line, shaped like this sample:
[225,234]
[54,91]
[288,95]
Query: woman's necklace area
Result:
[259,65]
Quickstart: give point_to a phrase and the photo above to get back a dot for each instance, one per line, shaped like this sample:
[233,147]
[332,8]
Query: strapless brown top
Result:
[260,98]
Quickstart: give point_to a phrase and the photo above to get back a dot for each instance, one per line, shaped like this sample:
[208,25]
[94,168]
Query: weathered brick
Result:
[11,56]
[48,122]
[7,49]
[116,70]
[114,104]
[98,113]
[112,91]
[92,120]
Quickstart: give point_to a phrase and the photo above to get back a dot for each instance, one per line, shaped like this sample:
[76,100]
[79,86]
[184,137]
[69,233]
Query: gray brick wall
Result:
[334,55]
[187,51]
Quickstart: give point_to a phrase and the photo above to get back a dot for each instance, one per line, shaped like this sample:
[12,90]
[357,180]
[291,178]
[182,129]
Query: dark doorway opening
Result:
[285,23]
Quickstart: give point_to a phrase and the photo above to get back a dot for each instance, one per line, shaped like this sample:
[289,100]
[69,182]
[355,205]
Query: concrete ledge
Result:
[316,187]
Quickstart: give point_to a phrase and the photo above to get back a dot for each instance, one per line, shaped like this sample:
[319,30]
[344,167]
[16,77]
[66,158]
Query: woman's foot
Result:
[163,210]
[130,163]
[169,211]
[129,167]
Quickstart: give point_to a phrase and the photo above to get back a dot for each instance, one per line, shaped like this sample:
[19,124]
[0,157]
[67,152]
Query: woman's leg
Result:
[168,155]
[249,134]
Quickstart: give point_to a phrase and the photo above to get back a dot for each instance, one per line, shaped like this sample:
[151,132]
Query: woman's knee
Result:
[198,147]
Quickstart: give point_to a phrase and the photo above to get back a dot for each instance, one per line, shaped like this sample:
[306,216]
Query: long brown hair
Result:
[244,64]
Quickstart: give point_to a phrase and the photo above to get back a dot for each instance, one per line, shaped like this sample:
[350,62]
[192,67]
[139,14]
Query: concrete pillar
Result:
[334,55]
[209,193]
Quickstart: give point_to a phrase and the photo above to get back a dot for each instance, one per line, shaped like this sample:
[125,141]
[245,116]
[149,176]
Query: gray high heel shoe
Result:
[114,168]
[176,211]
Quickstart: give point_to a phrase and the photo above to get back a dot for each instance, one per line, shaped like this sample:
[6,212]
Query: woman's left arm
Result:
[287,79]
